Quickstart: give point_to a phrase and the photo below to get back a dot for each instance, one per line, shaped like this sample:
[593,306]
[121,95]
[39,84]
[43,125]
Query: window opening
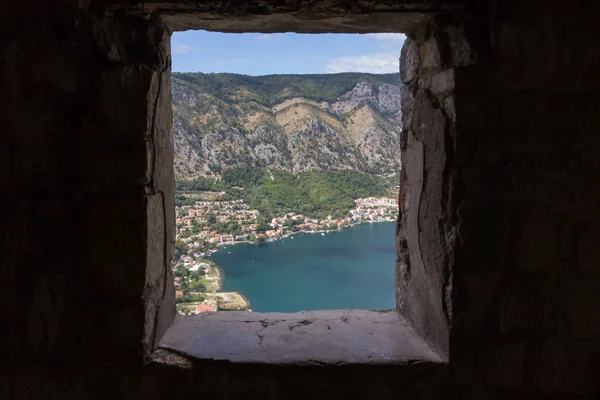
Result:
[287,151]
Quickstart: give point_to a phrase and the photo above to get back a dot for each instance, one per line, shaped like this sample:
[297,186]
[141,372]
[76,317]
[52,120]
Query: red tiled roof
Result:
[203,307]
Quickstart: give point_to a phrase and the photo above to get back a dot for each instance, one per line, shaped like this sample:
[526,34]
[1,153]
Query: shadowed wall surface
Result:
[498,262]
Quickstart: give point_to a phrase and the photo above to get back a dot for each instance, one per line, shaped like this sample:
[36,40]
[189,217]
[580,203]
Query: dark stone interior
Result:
[498,243]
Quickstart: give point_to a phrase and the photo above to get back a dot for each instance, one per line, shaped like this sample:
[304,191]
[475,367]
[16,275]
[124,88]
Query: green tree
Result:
[195,227]
[217,226]
[179,250]
[232,227]
[211,218]
[262,227]
[198,286]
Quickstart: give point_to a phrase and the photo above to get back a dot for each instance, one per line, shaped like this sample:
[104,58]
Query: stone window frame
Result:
[417,331]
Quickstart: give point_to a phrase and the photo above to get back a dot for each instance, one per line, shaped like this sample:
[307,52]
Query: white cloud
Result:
[400,37]
[385,59]
[180,48]
[376,63]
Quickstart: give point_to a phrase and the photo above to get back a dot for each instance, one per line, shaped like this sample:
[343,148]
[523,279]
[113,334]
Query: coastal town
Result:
[206,226]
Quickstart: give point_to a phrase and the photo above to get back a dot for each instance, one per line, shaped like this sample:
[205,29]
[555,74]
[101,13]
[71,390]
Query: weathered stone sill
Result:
[325,337]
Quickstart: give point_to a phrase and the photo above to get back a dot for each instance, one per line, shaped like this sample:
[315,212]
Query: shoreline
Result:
[219,273]
[218,278]
[287,235]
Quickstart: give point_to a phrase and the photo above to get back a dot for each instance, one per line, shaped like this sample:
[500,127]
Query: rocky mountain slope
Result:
[295,123]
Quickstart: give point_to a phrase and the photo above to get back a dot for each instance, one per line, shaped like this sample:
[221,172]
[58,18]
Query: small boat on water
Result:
[322,234]
[229,253]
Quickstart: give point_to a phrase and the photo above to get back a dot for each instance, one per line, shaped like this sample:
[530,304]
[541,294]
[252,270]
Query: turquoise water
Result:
[353,268]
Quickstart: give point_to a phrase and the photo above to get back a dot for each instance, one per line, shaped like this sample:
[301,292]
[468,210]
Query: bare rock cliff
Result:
[290,122]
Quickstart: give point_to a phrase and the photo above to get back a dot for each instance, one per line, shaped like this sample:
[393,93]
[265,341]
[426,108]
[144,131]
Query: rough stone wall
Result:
[512,148]
[174,377]
[316,16]
[528,264]
[86,176]
[498,242]
[427,225]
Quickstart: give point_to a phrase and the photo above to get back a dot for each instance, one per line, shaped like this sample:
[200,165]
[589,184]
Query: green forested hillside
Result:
[271,89]
[315,193]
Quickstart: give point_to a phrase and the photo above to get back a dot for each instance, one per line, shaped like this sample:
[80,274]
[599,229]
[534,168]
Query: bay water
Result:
[352,268]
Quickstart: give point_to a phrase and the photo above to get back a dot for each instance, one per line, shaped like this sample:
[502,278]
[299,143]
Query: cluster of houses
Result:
[376,202]
[205,306]
[370,209]
[374,209]
[224,212]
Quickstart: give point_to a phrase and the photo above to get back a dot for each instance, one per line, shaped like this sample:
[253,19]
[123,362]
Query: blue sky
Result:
[285,53]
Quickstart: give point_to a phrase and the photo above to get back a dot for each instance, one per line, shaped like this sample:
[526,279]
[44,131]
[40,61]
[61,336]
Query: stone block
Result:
[442,82]
[527,307]
[409,61]
[407,102]
[579,309]
[130,39]
[167,311]
[569,367]
[152,303]
[429,53]
[428,123]
[510,365]
[429,126]
[413,165]
[156,263]
[424,81]
[461,52]
[163,171]
[163,118]
[163,175]
[449,109]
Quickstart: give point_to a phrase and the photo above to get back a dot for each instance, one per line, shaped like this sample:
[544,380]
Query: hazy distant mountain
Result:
[295,123]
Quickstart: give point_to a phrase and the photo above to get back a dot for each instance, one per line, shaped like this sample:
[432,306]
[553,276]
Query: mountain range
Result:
[293,123]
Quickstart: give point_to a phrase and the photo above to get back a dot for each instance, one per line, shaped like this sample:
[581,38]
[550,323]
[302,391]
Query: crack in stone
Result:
[152,136]
[304,322]
[266,323]
[261,337]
